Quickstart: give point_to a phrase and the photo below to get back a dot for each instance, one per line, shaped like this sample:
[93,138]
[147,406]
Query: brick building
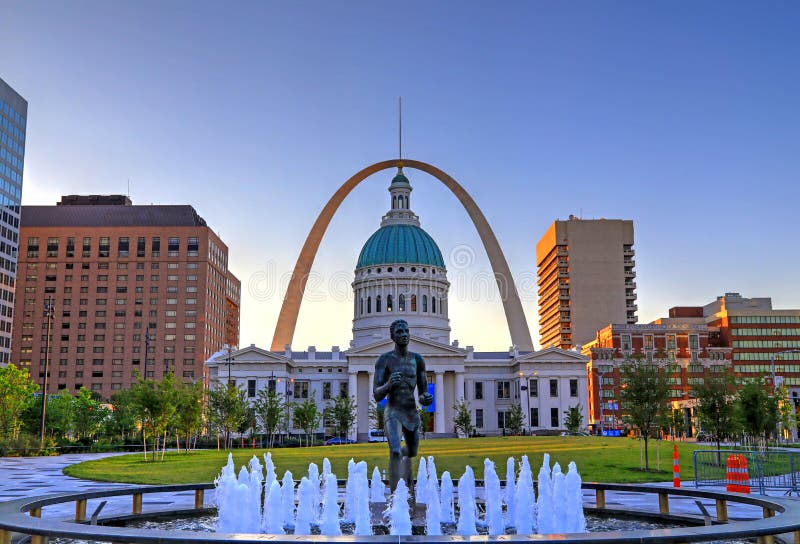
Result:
[678,345]
[122,280]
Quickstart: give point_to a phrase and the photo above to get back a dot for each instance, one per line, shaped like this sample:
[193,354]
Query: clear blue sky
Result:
[683,116]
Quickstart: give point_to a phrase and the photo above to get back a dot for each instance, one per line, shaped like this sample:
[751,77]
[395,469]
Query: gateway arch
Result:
[515,317]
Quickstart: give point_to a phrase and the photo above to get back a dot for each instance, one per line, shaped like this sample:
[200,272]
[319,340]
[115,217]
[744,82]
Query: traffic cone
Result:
[676,468]
[744,475]
[730,474]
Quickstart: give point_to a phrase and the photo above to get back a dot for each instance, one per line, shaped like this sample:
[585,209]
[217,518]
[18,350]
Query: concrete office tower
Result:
[13,119]
[586,279]
[134,288]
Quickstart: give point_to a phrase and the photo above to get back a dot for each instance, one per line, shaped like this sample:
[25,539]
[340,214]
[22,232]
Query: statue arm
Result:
[380,385]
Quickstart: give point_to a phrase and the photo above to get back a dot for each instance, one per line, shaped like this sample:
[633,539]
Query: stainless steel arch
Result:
[515,317]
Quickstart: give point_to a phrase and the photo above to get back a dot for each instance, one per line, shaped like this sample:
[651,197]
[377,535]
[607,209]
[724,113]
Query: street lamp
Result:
[48,312]
[523,387]
[229,348]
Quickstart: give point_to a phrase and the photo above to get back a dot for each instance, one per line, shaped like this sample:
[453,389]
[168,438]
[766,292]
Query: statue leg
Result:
[393,433]
[409,452]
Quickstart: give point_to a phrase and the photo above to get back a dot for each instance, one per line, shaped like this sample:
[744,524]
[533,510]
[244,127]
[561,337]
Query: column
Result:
[460,387]
[438,422]
[352,391]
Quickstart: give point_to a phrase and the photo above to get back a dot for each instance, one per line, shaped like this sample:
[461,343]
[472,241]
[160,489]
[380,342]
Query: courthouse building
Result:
[400,273]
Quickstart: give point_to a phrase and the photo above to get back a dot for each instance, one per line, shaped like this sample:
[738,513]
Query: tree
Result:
[645,392]
[307,417]
[515,419]
[715,407]
[89,414]
[226,408]
[189,411]
[755,411]
[463,419]
[376,413]
[122,422]
[270,409]
[343,413]
[425,420]
[153,404]
[573,418]
[16,390]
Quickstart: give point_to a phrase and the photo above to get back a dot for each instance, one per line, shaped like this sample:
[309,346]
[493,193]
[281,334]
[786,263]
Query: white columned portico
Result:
[352,392]
[438,422]
[459,386]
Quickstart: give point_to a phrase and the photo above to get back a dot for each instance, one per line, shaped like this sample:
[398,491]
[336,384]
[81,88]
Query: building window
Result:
[433,305]
[413,303]
[361,306]
[533,387]
[140,246]
[478,390]
[553,388]
[87,248]
[648,341]
[369,305]
[193,246]
[503,390]
[425,304]
[105,247]
[378,304]
[70,247]
[534,417]
[554,418]
[52,247]
[251,388]
[301,390]
[173,246]
[33,247]
[625,340]
[388,303]
[671,341]
[326,390]
[401,303]
[343,389]
[694,342]
[501,420]
[123,246]
[479,418]
[573,387]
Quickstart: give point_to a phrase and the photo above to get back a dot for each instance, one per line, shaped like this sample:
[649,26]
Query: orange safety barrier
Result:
[676,468]
[737,476]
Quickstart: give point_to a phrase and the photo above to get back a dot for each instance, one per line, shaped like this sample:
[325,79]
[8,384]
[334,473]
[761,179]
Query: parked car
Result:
[376,435]
[337,441]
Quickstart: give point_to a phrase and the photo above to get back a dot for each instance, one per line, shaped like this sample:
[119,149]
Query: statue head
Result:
[398,330]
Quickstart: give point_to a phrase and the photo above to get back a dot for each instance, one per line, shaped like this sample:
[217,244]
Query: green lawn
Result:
[598,459]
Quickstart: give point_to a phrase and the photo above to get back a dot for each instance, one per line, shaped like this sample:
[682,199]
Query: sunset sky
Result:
[682,116]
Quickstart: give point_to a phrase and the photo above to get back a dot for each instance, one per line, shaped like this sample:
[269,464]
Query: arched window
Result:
[369,305]
[433,304]
[413,303]
[401,303]
[388,303]
[425,304]
[394,202]
[362,306]
[378,304]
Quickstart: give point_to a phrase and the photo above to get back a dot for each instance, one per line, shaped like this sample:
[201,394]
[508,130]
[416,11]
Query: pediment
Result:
[422,346]
[250,354]
[552,355]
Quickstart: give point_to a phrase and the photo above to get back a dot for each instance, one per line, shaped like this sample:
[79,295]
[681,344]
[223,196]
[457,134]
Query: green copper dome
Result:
[400,244]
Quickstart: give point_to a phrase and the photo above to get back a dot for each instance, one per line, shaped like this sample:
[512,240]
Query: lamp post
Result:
[772,370]
[48,312]
[228,347]
[523,388]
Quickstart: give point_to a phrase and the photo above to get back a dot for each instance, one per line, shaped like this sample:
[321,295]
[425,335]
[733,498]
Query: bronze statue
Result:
[397,373]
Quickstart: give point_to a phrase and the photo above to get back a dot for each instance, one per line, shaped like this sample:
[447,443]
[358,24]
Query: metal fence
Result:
[772,469]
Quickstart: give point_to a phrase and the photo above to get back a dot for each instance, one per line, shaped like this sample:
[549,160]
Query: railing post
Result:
[766,539]
[722,510]
[5,536]
[137,503]
[36,513]
[600,498]
[663,503]
[769,513]
[198,498]
[797,537]
[38,539]
[80,509]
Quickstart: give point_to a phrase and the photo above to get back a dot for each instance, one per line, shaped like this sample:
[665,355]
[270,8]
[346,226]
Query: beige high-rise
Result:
[586,279]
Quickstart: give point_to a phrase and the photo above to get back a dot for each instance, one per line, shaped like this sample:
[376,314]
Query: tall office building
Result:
[13,119]
[586,279]
[124,280]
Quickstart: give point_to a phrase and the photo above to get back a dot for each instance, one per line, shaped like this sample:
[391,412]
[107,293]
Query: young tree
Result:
[573,418]
[90,414]
[270,410]
[307,417]
[376,413]
[16,390]
[515,419]
[189,411]
[463,419]
[226,408]
[755,411]
[645,391]
[343,413]
[122,422]
[425,420]
[153,404]
[715,406]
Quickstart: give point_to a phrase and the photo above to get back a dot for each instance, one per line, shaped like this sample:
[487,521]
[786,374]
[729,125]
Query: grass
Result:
[599,459]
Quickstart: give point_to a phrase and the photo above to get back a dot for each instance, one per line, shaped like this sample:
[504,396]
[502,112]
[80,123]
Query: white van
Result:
[377,435]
